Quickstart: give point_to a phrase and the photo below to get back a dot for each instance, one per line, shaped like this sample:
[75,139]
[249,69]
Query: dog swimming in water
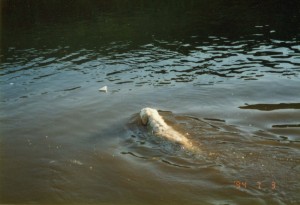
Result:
[151,118]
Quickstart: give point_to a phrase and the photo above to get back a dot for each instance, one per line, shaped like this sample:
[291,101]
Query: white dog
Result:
[150,117]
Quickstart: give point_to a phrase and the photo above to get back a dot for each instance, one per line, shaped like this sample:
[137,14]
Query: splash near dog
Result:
[151,118]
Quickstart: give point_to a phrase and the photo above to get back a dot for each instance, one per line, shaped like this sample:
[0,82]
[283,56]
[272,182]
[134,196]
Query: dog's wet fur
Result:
[151,118]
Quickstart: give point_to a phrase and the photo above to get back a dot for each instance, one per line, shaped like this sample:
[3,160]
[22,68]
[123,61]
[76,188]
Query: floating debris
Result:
[103,89]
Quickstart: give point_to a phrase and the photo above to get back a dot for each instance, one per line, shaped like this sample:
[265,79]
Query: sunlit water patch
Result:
[156,64]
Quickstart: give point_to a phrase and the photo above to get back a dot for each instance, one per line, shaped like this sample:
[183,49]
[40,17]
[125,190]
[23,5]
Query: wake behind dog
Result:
[151,118]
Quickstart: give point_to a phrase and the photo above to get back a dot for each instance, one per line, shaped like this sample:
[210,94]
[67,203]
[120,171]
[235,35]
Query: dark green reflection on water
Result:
[96,22]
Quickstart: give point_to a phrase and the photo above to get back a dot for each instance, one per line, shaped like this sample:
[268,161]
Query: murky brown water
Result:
[233,92]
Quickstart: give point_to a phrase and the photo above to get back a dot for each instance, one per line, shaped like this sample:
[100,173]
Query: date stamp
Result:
[258,184]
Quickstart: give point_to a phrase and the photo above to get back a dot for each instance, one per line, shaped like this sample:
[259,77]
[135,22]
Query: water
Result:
[224,74]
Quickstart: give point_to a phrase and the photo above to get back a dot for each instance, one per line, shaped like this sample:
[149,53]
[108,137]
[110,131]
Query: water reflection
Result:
[155,64]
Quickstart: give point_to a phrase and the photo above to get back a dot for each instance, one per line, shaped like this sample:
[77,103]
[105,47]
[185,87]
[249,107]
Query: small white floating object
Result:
[103,89]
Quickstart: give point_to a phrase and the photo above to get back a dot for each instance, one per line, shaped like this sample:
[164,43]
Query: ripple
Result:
[73,88]
[161,63]
[133,154]
[44,76]
[286,125]
[220,54]
[174,164]
[271,107]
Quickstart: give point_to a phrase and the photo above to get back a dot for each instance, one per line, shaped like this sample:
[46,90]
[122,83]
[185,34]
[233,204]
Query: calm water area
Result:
[224,73]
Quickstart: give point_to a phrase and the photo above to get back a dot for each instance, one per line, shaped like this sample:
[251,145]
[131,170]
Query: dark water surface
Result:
[224,73]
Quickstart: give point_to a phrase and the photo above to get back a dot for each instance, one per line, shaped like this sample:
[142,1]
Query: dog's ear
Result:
[144,117]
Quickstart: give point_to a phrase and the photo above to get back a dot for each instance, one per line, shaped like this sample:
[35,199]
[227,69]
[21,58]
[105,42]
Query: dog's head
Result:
[144,115]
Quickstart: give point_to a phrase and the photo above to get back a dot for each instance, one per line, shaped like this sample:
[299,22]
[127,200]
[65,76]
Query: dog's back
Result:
[150,117]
